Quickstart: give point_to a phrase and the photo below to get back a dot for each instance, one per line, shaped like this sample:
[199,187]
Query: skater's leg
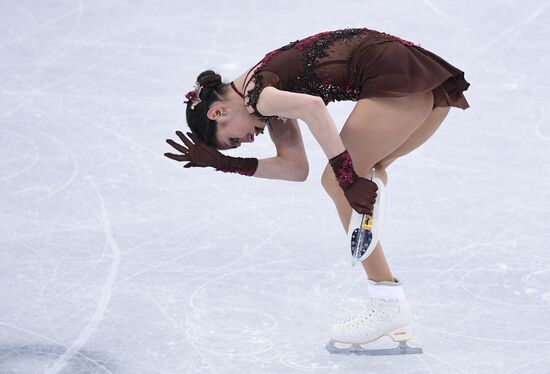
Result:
[395,320]
[419,137]
[376,265]
[374,130]
[328,180]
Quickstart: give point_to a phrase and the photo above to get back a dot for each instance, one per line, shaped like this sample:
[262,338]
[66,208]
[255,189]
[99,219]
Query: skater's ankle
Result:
[387,290]
[383,279]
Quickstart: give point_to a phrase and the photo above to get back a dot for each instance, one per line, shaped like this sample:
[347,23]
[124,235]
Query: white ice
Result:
[114,259]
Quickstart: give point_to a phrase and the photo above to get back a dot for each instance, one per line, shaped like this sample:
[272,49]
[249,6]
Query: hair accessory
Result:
[194,96]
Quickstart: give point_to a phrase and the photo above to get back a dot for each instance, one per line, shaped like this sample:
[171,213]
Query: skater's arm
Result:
[360,192]
[289,164]
[310,109]
[291,160]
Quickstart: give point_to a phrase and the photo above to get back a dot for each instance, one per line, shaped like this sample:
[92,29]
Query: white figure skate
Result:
[380,317]
[364,229]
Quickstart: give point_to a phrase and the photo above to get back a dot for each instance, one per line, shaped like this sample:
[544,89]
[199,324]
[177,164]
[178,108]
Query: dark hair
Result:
[212,90]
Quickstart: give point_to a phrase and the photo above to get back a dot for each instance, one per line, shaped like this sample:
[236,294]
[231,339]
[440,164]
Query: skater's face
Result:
[235,125]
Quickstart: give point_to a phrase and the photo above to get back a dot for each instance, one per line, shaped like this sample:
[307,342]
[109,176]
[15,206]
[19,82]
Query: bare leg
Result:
[377,267]
[420,136]
[376,133]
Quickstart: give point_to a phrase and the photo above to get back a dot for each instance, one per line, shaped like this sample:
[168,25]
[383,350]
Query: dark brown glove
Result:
[201,155]
[360,192]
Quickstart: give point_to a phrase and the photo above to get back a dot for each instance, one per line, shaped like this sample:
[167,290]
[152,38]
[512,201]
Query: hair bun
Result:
[209,79]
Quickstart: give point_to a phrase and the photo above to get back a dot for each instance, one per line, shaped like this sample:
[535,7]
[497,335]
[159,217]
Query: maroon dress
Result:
[353,64]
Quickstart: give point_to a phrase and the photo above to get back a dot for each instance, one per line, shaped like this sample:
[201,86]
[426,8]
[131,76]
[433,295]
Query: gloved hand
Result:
[360,192]
[201,155]
[361,195]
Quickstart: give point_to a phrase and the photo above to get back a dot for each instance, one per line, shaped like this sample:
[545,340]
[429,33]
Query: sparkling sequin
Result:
[343,169]
[247,172]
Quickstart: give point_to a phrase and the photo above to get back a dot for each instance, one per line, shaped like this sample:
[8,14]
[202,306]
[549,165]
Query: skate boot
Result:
[382,316]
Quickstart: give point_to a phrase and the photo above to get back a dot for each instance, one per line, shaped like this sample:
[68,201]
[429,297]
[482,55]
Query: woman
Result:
[402,93]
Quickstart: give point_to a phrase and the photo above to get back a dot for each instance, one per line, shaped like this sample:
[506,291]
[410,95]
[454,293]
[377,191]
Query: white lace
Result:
[361,317]
[368,322]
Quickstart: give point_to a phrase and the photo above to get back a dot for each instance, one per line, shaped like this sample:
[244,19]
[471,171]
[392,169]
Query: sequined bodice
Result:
[320,65]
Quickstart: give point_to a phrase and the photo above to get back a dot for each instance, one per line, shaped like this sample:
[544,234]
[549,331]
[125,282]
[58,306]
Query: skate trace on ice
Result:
[115,260]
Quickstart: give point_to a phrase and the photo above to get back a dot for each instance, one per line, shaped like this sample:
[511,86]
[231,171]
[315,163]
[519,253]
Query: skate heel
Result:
[401,334]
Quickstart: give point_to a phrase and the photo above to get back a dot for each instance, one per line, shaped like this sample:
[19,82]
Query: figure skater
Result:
[402,93]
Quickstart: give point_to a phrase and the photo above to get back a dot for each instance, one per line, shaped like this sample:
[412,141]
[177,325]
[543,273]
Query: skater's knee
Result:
[380,172]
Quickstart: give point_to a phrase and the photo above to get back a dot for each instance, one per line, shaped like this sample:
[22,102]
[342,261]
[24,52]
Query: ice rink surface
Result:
[114,259]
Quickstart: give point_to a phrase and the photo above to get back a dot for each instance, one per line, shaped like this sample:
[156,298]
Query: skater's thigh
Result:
[419,137]
[378,126]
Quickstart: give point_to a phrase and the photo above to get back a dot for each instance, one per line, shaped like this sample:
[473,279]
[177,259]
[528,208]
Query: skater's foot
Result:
[380,317]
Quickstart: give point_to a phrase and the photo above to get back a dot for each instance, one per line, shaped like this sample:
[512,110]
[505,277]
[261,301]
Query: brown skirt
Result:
[394,69]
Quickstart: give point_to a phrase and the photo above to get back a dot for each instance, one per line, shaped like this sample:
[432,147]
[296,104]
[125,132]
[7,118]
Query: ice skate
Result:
[381,317]
[364,229]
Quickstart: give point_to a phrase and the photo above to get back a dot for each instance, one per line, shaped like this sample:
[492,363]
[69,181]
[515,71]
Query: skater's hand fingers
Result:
[366,207]
[204,148]
[177,146]
[190,165]
[197,153]
[361,209]
[362,206]
[362,202]
[177,157]
[184,139]
[362,195]
[193,137]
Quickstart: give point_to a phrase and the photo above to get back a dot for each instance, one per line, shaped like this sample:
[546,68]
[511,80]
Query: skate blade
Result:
[364,230]
[362,244]
[356,349]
